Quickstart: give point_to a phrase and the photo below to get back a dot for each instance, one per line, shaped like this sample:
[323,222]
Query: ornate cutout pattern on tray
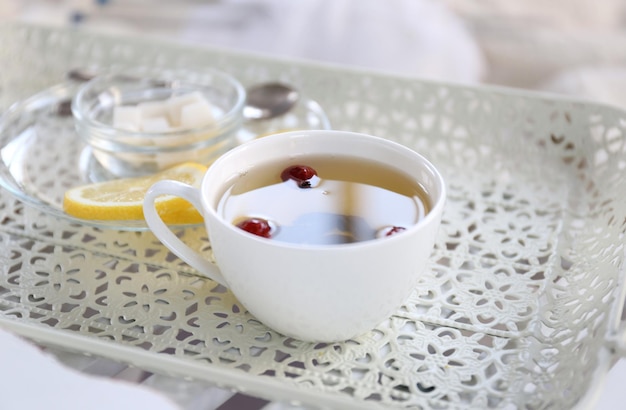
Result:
[515,305]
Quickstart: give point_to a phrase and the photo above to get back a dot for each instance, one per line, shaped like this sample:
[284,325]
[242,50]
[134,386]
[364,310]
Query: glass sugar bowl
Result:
[142,121]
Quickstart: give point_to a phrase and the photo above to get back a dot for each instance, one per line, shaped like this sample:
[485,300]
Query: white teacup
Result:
[318,293]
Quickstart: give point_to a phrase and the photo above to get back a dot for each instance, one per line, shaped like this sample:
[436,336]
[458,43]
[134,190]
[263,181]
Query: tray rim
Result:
[240,381]
[221,376]
[546,96]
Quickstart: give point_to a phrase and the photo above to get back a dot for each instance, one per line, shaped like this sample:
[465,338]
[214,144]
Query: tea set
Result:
[143,121]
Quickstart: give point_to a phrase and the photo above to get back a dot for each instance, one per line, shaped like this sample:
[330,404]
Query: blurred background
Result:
[574,47]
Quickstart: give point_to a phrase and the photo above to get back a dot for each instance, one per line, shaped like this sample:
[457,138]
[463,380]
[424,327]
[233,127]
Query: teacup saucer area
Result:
[43,156]
[44,127]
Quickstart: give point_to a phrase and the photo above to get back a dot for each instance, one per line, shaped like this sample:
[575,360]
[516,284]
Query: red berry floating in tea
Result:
[256,226]
[304,175]
[394,230]
[389,231]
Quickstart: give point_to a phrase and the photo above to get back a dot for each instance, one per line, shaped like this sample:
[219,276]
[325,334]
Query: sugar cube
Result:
[177,102]
[126,117]
[155,124]
[150,109]
[196,114]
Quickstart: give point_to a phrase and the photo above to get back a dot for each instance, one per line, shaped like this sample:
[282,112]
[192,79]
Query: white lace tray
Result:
[520,307]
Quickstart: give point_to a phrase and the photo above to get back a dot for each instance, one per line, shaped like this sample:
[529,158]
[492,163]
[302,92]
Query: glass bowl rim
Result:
[78,106]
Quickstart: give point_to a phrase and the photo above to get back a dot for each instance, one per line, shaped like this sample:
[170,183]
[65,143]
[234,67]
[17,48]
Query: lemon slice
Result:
[122,199]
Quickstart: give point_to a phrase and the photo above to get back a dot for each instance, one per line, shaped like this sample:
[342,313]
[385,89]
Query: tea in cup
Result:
[321,235]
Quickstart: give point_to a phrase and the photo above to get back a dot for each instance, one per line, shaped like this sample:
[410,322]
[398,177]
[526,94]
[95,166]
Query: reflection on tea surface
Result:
[351,200]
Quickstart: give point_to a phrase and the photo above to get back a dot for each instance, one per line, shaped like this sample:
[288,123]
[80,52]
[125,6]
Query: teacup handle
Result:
[165,234]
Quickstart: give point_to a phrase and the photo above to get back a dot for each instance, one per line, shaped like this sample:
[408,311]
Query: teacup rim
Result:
[431,217]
